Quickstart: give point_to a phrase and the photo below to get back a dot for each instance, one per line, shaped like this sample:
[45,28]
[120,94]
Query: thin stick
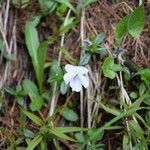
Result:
[54,101]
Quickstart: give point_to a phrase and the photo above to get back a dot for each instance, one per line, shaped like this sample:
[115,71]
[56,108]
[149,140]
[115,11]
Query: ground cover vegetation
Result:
[74,75]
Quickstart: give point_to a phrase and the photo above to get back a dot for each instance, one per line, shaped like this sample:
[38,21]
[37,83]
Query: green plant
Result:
[92,46]
[19,93]
[47,132]
[132,24]
[37,52]
[110,68]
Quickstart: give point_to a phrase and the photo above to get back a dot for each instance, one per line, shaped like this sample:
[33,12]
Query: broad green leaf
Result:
[63,88]
[121,29]
[30,88]
[60,135]
[145,74]
[36,103]
[41,55]
[32,42]
[35,142]
[38,121]
[133,95]
[142,89]
[109,74]
[136,21]
[69,114]
[56,73]
[116,67]
[109,68]
[85,59]
[147,99]
[108,62]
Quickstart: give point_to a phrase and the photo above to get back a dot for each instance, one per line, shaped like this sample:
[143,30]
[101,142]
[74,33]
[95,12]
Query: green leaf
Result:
[126,142]
[1,45]
[142,89]
[48,5]
[93,131]
[32,41]
[100,38]
[108,62]
[35,142]
[147,118]
[69,114]
[130,111]
[136,21]
[38,121]
[28,133]
[56,73]
[30,88]
[121,29]
[109,74]
[133,95]
[137,129]
[116,67]
[60,135]
[41,55]
[36,103]
[85,59]
[68,4]
[69,129]
[147,99]
[109,109]
[145,74]
[63,88]
[65,27]
[80,137]
[109,68]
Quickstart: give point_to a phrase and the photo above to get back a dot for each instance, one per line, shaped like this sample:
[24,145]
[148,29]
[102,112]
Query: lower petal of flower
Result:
[75,84]
[84,80]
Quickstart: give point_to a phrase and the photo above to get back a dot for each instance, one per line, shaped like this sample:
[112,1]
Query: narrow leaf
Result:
[33,144]
[38,121]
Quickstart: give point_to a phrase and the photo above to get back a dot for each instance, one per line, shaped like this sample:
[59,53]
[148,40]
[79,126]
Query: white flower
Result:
[76,77]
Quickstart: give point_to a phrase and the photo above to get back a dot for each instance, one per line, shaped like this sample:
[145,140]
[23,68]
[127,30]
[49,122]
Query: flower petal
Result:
[82,70]
[68,77]
[84,80]
[75,84]
[70,68]
[76,69]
